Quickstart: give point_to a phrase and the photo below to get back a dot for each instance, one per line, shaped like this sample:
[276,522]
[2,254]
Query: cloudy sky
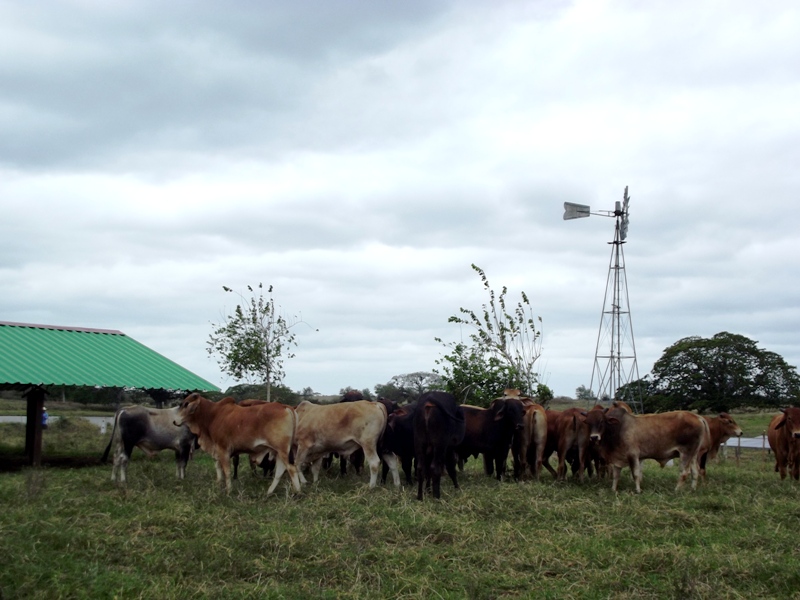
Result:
[359,156]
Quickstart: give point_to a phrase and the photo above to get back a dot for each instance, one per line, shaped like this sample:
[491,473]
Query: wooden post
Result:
[33,425]
[738,449]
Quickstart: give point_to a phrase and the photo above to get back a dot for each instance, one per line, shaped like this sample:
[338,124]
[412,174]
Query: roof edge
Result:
[61,328]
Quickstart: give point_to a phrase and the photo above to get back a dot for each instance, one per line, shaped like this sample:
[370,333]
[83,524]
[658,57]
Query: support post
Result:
[33,426]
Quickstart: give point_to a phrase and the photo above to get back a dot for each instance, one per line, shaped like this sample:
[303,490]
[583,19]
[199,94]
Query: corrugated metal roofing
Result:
[54,355]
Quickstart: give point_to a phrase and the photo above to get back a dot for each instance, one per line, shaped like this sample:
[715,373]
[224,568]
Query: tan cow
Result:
[534,438]
[224,428]
[342,428]
[721,429]
[784,439]
[629,439]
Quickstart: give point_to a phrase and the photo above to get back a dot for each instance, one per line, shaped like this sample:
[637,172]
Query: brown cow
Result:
[784,439]
[534,439]
[626,440]
[343,428]
[224,428]
[721,429]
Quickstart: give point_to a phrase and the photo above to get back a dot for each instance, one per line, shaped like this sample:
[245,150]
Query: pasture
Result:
[72,533]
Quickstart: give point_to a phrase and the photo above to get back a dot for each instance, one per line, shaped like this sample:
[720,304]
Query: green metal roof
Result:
[53,355]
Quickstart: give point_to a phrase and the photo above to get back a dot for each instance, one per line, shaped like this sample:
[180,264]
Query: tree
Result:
[251,342]
[544,394]
[402,388]
[721,373]
[475,376]
[584,394]
[503,350]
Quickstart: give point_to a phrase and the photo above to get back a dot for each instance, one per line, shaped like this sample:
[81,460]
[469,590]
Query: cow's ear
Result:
[193,407]
[613,420]
[501,410]
[782,422]
[390,421]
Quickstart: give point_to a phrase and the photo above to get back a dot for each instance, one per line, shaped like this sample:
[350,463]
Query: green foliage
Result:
[503,350]
[476,377]
[544,394]
[274,393]
[409,386]
[584,394]
[250,344]
[718,374]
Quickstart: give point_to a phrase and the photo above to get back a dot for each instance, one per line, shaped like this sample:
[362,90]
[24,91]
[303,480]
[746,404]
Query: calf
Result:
[629,439]
[224,428]
[721,429]
[439,427]
[343,428]
[784,439]
[152,430]
[489,431]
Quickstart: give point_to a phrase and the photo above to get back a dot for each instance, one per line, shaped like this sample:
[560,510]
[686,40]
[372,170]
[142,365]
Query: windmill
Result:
[615,362]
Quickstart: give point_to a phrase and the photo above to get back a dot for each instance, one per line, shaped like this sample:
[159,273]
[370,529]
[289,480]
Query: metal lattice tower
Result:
[615,363]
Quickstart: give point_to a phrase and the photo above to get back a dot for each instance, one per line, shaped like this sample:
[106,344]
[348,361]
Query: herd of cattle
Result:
[436,434]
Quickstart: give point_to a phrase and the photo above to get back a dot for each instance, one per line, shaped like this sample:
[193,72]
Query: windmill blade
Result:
[575,211]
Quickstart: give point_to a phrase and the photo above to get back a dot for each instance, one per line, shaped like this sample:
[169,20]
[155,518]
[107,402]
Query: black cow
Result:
[489,431]
[152,430]
[438,428]
[398,437]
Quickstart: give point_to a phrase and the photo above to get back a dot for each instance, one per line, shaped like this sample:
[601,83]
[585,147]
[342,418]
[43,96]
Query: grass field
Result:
[72,533]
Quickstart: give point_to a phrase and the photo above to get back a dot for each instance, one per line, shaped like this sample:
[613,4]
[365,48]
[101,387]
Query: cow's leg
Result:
[408,465]
[390,461]
[374,462]
[636,469]
[118,462]
[421,473]
[280,467]
[315,468]
[616,471]
[450,465]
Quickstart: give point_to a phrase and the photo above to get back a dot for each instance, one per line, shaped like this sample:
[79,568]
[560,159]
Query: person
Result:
[44,417]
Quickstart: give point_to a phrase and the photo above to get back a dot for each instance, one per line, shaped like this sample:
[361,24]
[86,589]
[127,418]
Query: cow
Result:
[489,431]
[721,429]
[593,424]
[343,428]
[152,430]
[568,436]
[625,440]
[784,439]
[398,438]
[439,427]
[267,464]
[534,439]
[225,428]
[357,457]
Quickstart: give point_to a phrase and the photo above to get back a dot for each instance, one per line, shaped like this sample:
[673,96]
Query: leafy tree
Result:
[584,394]
[504,347]
[476,377]
[721,373]
[544,394]
[274,393]
[251,342]
[406,387]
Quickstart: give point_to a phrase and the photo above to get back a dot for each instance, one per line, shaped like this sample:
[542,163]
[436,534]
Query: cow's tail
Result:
[111,441]
[294,433]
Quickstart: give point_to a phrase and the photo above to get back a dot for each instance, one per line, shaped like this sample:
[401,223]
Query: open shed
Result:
[33,357]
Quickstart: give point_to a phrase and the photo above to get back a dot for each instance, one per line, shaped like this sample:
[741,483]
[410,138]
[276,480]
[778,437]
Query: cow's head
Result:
[729,426]
[187,408]
[596,422]
[791,421]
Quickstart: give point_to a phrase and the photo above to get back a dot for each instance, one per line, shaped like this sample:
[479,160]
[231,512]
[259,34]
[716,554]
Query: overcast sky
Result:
[360,156]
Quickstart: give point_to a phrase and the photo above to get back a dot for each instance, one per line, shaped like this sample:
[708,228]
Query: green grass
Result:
[72,533]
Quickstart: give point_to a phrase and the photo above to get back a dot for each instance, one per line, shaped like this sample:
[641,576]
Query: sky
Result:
[360,156]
